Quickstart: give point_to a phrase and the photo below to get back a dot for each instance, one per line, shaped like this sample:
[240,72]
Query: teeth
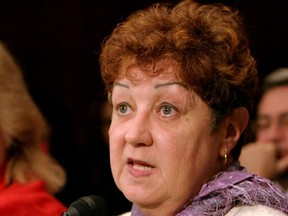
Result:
[141,168]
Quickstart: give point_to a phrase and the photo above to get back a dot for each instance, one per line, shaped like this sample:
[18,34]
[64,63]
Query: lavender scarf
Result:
[234,187]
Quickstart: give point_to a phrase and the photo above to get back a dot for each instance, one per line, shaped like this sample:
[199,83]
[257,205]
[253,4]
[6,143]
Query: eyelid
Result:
[174,109]
[265,123]
[168,104]
[262,123]
[119,105]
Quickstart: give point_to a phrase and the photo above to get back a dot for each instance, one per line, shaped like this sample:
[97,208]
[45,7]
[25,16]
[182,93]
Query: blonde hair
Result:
[23,128]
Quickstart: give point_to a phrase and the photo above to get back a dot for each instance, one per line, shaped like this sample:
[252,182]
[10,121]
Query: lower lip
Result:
[139,173]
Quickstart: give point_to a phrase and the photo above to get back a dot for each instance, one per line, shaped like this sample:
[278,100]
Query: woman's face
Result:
[162,149]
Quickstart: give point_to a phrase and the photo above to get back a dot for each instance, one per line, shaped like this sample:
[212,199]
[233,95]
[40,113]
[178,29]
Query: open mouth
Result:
[139,165]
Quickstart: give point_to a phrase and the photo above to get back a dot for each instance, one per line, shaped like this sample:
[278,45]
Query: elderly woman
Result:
[181,80]
[29,177]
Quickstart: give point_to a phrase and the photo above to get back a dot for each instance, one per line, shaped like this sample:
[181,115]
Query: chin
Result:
[139,196]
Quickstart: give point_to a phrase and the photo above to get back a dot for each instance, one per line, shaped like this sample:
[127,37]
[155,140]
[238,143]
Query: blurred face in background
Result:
[272,119]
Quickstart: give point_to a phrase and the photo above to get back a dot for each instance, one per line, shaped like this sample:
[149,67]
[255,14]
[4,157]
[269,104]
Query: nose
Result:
[139,130]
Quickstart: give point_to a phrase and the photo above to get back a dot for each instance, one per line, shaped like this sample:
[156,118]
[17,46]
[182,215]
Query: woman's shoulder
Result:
[260,210]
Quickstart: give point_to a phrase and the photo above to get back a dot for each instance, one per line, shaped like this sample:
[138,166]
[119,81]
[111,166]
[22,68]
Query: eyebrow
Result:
[121,84]
[266,116]
[170,83]
[156,86]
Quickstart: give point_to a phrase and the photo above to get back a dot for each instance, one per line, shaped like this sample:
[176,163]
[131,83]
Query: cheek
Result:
[186,163]
[261,136]
[115,134]
[180,148]
[198,149]
[116,146]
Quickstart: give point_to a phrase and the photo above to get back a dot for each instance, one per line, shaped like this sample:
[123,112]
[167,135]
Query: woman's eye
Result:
[122,108]
[168,110]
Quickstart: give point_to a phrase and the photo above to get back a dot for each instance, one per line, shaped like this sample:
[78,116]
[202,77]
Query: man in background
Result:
[268,155]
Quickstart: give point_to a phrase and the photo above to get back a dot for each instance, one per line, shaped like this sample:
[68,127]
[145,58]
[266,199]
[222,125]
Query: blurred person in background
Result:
[268,155]
[29,176]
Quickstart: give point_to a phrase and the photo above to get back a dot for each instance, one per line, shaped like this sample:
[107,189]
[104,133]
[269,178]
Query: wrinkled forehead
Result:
[167,69]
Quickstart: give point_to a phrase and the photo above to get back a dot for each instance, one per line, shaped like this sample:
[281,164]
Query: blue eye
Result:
[123,109]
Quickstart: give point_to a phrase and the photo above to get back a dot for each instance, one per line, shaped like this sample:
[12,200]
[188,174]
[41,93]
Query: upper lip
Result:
[139,162]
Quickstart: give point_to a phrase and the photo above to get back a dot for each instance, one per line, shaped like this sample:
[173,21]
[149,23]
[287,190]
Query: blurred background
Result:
[57,42]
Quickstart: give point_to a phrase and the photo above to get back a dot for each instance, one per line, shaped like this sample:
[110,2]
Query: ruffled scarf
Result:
[234,187]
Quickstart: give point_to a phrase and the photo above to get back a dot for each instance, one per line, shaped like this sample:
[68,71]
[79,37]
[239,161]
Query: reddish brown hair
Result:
[207,41]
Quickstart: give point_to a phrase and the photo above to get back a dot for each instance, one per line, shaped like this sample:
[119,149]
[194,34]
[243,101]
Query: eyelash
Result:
[125,109]
[172,109]
[122,105]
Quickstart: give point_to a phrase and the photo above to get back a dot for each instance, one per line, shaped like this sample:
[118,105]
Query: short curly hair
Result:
[207,41]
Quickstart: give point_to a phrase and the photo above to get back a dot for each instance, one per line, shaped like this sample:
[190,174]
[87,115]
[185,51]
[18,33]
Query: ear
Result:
[234,128]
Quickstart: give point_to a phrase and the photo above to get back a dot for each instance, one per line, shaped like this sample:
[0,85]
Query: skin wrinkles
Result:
[181,142]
